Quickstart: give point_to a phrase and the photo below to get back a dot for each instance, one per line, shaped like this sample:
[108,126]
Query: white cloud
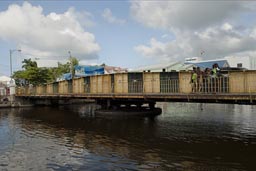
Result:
[218,28]
[165,36]
[155,48]
[227,27]
[215,41]
[164,52]
[108,16]
[184,14]
[48,36]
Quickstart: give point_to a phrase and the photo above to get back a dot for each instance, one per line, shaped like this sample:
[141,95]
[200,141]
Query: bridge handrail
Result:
[167,85]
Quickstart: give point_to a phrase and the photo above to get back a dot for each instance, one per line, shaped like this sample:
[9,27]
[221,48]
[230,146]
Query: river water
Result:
[186,136]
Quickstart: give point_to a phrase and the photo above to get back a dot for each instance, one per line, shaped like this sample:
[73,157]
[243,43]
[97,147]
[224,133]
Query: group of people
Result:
[199,77]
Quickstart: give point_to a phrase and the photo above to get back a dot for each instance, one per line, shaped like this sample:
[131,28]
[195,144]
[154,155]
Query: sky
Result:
[129,34]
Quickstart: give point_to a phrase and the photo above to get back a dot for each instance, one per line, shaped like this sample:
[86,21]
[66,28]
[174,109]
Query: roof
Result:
[85,70]
[5,78]
[113,69]
[159,67]
[208,64]
[179,66]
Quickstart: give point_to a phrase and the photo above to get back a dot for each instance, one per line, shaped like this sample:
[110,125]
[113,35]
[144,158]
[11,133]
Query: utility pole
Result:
[11,51]
[71,64]
[12,82]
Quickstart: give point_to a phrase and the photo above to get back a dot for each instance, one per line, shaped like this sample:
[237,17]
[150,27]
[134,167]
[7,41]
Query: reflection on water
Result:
[185,137]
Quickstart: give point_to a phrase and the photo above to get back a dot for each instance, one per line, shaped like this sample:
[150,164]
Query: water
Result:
[187,136]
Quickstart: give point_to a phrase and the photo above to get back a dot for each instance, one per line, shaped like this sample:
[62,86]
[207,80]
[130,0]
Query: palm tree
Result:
[28,63]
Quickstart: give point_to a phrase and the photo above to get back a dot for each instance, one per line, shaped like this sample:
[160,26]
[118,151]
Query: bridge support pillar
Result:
[114,104]
[152,105]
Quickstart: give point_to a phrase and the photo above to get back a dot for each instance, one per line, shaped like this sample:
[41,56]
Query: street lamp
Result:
[11,51]
[71,64]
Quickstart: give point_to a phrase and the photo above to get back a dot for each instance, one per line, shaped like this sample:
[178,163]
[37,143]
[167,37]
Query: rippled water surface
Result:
[185,137]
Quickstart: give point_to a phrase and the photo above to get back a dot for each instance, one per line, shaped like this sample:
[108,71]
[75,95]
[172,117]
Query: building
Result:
[187,65]
[4,81]
[222,63]
[175,66]
[86,70]
[2,89]
[113,69]
[7,87]
[248,62]
[193,59]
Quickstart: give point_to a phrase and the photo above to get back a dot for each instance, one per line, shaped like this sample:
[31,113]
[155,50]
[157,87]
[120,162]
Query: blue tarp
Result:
[88,70]
[67,76]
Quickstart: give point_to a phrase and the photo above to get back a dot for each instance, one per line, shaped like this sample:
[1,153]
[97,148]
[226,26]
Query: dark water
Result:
[192,137]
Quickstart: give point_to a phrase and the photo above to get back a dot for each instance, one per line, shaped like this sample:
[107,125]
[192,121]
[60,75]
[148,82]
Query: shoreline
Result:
[14,105]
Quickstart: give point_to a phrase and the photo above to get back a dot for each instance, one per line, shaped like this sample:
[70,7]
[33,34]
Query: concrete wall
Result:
[184,82]
[121,83]
[151,81]
[242,81]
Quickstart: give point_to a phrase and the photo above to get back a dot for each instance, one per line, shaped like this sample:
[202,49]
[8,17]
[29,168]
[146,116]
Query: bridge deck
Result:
[190,97]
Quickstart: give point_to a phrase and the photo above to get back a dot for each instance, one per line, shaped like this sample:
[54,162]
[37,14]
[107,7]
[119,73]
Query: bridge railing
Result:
[135,86]
[235,82]
[207,85]
[169,86]
[148,85]
[212,85]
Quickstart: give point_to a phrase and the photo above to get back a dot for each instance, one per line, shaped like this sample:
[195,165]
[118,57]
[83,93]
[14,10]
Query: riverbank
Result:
[15,102]
[11,101]
[14,105]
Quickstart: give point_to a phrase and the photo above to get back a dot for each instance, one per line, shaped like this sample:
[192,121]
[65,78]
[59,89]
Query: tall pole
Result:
[12,83]
[10,63]
[71,64]
[11,51]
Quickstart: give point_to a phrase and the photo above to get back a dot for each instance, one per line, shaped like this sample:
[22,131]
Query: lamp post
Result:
[12,82]
[11,51]
[71,64]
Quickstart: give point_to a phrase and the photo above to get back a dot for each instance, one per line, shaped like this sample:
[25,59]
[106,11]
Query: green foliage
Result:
[35,75]
[74,61]
[28,63]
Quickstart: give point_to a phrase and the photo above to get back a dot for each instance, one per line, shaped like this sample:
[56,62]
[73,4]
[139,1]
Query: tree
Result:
[72,63]
[27,63]
[35,75]
[32,74]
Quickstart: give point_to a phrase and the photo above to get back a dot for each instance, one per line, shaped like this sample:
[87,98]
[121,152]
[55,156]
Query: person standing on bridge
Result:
[206,79]
[30,88]
[199,79]
[215,69]
[194,80]
[214,80]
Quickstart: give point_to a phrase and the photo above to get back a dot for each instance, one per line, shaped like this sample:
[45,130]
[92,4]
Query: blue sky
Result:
[116,41]
[129,34]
